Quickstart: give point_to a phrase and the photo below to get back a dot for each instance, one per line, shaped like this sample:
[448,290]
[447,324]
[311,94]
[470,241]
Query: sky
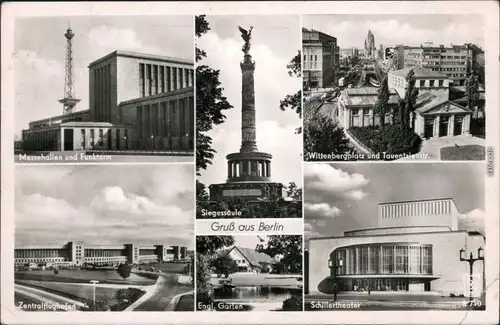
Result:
[341,197]
[390,30]
[102,204]
[39,54]
[275,41]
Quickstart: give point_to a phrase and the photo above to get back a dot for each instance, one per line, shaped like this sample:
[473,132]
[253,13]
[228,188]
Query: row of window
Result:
[384,259]
[413,209]
[172,118]
[155,79]
[100,139]
[26,260]
[21,253]
[102,94]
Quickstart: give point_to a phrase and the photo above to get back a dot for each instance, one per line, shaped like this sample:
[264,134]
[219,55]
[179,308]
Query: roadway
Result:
[330,110]
[167,288]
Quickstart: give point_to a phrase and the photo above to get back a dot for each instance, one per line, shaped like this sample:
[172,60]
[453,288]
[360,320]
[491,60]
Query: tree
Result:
[288,247]
[206,248]
[294,191]
[411,95]
[124,270]
[203,277]
[323,135]
[208,245]
[210,103]
[472,90]
[380,107]
[224,265]
[294,101]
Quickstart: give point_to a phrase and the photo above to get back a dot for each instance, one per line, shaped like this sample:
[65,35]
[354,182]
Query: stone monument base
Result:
[249,191]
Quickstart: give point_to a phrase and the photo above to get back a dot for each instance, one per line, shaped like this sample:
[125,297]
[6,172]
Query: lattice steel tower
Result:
[69,101]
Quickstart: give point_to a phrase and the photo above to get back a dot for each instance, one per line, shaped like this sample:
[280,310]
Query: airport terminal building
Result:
[136,102]
[77,254]
[415,248]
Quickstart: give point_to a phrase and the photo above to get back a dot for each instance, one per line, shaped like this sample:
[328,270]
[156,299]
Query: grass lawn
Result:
[166,267]
[271,280]
[82,276]
[185,303]
[470,152]
[75,291]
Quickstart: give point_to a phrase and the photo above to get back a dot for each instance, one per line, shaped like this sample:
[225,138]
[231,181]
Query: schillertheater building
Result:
[136,102]
[75,253]
[416,247]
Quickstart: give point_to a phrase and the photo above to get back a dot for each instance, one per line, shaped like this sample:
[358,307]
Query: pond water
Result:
[255,293]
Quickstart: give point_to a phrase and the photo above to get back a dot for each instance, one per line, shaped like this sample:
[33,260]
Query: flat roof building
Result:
[415,248]
[77,253]
[136,102]
[321,58]
[455,61]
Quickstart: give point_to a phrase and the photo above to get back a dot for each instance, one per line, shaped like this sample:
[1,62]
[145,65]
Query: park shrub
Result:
[126,297]
[478,127]
[391,139]
[294,303]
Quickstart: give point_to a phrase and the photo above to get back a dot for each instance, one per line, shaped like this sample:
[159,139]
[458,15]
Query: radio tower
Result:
[69,101]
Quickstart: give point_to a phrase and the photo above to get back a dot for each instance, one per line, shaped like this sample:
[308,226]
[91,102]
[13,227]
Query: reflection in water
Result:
[260,292]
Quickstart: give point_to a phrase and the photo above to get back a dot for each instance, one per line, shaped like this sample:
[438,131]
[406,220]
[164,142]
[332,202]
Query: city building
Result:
[248,260]
[355,107]
[370,48]
[136,102]
[435,114]
[347,54]
[78,254]
[455,61]
[416,247]
[321,59]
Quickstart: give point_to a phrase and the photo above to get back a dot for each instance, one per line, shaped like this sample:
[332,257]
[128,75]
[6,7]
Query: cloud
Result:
[36,81]
[326,178]
[398,29]
[310,231]
[108,39]
[472,221]
[316,216]
[105,208]
[321,210]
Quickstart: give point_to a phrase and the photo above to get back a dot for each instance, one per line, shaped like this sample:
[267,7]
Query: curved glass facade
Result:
[384,259]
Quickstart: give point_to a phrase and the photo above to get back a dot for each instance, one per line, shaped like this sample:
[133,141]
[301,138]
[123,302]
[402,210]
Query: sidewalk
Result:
[150,291]
[173,303]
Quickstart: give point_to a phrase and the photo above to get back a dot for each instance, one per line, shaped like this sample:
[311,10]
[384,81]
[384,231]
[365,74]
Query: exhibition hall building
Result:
[136,102]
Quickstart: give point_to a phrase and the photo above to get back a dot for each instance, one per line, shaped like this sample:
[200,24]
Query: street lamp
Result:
[94,282]
[336,267]
[471,261]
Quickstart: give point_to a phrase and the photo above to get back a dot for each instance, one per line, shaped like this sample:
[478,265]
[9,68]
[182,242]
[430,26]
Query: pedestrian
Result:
[335,292]
[369,290]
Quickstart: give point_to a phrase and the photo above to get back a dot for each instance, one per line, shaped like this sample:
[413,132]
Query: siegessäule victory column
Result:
[248,170]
